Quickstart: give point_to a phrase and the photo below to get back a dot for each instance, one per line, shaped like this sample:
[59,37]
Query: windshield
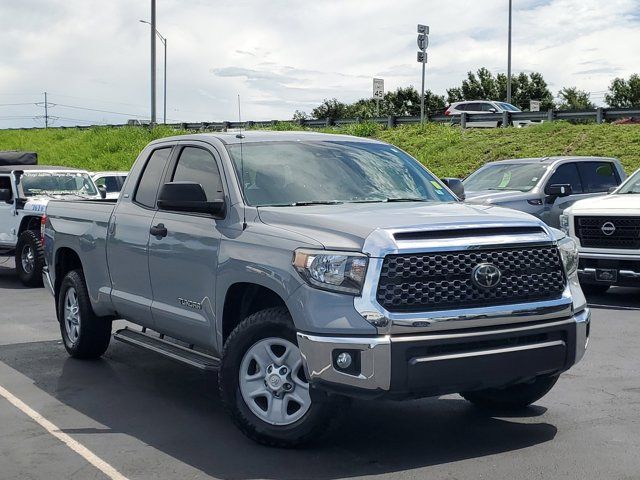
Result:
[511,176]
[307,172]
[57,183]
[508,107]
[632,185]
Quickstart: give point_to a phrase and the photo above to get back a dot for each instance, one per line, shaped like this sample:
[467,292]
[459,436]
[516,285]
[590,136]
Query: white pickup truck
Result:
[25,191]
[608,233]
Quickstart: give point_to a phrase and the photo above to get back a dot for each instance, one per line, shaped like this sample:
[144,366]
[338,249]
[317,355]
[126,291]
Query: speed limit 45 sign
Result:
[378,88]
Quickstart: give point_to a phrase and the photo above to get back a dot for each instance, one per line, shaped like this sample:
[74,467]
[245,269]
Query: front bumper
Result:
[445,362]
[627,269]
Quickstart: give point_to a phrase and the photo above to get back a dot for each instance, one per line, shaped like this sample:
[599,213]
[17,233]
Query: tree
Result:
[484,86]
[624,93]
[331,109]
[299,115]
[573,99]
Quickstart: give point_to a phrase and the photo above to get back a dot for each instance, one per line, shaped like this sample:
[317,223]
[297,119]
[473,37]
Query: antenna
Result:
[240,136]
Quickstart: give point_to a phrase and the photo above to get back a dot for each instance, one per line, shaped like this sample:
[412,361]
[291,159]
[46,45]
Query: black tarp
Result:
[15,157]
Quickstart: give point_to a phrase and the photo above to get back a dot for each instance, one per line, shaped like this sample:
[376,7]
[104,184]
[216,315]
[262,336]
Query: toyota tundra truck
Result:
[307,269]
[607,230]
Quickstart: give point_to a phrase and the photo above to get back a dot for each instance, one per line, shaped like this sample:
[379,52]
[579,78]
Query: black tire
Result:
[94,332]
[325,411]
[594,288]
[514,397]
[30,241]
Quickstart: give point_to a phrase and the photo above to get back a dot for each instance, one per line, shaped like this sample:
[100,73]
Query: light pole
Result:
[509,58]
[164,43]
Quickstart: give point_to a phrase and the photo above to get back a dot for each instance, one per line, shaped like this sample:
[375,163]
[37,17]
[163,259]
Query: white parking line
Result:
[74,445]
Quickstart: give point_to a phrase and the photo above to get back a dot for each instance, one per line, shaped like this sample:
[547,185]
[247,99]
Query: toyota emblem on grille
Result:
[608,228]
[486,275]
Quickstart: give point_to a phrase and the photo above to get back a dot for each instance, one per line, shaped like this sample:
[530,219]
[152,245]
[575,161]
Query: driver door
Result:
[566,173]
[7,216]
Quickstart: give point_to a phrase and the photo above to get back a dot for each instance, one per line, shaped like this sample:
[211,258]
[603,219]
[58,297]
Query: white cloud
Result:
[281,56]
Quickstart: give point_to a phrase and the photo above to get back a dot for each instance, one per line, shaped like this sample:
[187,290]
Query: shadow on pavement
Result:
[177,411]
[8,278]
[616,298]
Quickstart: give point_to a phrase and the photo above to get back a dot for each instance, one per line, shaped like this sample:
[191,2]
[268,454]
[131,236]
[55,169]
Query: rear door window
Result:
[566,173]
[147,191]
[598,177]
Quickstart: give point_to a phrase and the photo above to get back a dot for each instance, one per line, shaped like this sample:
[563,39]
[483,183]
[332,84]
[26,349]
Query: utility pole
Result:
[509,58]
[153,62]
[46,111]
[164,42]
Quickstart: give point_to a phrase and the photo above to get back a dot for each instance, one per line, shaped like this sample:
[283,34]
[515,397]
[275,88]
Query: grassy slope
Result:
[447,151]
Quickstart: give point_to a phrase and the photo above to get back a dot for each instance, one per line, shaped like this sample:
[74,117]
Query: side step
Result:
[170,350]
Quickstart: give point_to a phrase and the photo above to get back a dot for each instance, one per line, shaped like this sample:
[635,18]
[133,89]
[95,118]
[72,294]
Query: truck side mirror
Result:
[189,197]
[456,186]
[5,195]
[102,190]
[559,190]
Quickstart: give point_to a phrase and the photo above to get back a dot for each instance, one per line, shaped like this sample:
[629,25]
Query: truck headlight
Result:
[564,223]
[569,253]
[342,272]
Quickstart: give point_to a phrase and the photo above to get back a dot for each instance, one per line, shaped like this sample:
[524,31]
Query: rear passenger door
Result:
[128,242]
[8,220]
[566,173]
[183,264]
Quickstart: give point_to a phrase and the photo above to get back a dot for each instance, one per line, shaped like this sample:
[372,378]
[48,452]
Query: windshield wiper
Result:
[316,202]
[408,199]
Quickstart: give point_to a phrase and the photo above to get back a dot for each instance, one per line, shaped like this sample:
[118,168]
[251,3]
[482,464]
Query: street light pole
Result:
[509,58]
[164,42]
[153,62]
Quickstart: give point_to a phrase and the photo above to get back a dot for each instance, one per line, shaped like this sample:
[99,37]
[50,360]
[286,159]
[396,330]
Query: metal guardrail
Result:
[599,115]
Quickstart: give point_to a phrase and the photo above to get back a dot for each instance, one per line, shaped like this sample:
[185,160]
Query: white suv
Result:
[607,230]
[484,107]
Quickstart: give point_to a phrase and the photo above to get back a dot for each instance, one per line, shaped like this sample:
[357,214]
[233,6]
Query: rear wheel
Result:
[594,288]
[29,259]
[516,396]
[264,387]
[84,334]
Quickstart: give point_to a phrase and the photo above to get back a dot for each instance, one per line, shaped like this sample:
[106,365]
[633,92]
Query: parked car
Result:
[484,107]
[607,230]
[111,181]
[543,187]
[336,267]
[25,191]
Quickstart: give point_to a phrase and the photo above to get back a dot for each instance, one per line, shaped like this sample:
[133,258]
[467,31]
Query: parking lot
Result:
[147,417]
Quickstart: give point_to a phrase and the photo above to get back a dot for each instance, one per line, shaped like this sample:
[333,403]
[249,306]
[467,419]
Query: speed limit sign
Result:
[378,88]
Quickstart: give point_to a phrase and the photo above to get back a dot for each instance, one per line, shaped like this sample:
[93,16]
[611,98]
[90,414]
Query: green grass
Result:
[446,150]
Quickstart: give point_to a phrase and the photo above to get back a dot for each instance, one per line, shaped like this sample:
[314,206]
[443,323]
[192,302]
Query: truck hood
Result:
[609,203]
[346,226]
[489,197]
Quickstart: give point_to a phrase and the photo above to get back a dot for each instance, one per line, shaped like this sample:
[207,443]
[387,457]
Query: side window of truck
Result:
[5,183]
[149,183]
[566,174]
[199,166]
[598,177]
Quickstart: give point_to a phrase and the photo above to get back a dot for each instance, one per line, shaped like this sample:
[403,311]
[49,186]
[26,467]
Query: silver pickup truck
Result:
[309,268]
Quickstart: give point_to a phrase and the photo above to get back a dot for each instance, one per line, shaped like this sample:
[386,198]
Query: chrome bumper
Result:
[376,360]
[46,279]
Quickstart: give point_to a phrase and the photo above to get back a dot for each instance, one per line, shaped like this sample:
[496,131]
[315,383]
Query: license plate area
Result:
[607,275]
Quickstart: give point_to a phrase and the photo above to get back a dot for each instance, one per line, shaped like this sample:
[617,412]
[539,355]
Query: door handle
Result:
[158,230]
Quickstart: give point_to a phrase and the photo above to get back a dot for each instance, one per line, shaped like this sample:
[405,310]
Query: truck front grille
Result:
[436,281]
[608,232]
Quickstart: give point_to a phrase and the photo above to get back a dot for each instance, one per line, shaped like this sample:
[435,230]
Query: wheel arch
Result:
[29,222]
[66,260]
[243,299]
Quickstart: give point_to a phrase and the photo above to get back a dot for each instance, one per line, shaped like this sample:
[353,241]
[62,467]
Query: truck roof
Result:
[267,136]
[552,160]
[12,168]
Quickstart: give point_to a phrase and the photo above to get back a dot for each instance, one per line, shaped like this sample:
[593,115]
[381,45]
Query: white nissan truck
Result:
[25,191]
[607,230]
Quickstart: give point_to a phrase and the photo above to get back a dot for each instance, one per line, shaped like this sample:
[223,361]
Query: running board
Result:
[170,350]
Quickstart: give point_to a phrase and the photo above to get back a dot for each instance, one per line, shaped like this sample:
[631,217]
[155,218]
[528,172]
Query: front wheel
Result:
[516,396]
[84,334]
[264,387]
[29,259]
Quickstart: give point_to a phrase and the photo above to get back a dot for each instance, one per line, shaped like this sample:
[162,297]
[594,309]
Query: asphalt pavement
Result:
[148,417]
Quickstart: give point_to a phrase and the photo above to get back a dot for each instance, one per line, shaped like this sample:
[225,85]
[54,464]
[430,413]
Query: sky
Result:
[93,57]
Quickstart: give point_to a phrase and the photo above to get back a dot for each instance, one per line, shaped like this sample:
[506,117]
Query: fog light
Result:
[344,360]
